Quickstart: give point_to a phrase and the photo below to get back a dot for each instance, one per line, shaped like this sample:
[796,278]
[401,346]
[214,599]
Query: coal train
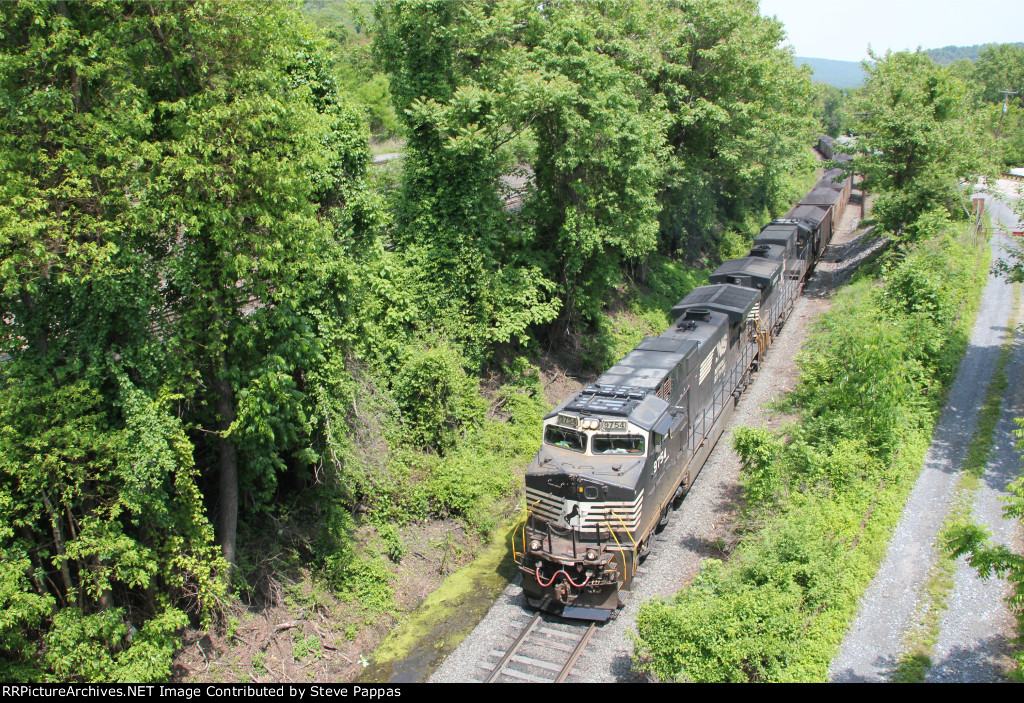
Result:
[618,456]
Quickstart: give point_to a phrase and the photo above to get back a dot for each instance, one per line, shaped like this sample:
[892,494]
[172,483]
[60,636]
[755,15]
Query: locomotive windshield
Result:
[565,438]
[618,444]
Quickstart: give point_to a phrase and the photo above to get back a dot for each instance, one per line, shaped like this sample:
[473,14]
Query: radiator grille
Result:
[598,513]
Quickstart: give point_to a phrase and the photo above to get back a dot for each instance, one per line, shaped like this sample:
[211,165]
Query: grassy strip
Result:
[825,499]
[433,631]
[914,664]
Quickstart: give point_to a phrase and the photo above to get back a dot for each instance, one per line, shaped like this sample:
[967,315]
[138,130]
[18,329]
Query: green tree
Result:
[176,180]
[1000,67]
[237,194]
[97,478]
[919,140]
[600,140]
[739,123]
[832,109]
[667,118]
[463,95]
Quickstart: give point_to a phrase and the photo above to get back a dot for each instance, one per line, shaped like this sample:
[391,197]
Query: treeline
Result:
[209,312]
[985,73]
[948,54]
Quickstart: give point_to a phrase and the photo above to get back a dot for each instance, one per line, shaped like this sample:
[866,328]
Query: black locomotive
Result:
[619,455]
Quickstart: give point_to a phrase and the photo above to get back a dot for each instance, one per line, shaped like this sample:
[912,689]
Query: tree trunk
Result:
[227,519]
[58,543]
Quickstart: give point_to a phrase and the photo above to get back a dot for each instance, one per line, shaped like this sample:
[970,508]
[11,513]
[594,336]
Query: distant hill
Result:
[841,74]
[849,74]
[948,54]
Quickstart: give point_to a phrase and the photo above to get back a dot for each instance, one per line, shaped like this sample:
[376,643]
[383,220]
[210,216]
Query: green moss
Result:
[447,616]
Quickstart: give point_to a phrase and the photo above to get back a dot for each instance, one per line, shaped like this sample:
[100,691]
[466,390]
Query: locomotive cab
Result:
[587,494]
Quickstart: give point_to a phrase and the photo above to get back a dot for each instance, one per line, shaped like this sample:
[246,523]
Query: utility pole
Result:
[1006,95]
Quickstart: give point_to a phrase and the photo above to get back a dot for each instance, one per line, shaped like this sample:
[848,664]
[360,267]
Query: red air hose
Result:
[567,578]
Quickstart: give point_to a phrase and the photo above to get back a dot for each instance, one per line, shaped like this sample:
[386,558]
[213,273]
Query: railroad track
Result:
[545,650]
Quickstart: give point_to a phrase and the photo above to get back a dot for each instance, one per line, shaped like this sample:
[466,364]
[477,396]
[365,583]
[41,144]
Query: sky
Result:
[893,24]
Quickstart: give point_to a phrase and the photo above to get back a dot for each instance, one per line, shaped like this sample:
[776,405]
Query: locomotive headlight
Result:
[591,555]
[535,545]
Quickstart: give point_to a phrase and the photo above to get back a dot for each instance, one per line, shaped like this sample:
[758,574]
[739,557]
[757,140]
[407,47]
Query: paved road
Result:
[890,606]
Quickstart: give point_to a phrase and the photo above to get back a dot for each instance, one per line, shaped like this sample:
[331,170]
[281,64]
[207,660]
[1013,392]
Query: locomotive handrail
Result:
[621,550]
[526,518]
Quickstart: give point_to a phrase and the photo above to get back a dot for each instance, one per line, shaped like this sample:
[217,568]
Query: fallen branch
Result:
[287,625]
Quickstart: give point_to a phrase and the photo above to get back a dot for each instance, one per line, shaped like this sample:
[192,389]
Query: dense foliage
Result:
[650,126]
[173,177]
[825,496]
[211,312]
[832,110]
[919,142]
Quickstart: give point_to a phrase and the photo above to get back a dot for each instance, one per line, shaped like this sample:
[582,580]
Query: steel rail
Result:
[576,653]
[500,666]
[561,671]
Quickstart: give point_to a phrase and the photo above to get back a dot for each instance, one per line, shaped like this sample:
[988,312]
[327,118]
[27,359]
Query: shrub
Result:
[439,400]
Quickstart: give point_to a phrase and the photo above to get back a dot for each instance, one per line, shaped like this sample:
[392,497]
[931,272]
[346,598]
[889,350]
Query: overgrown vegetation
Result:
[234,360]
[920,142]
[823,498]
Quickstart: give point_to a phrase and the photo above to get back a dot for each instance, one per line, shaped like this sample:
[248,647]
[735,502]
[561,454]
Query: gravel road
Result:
[976,627]
[702,519]
[969,631]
